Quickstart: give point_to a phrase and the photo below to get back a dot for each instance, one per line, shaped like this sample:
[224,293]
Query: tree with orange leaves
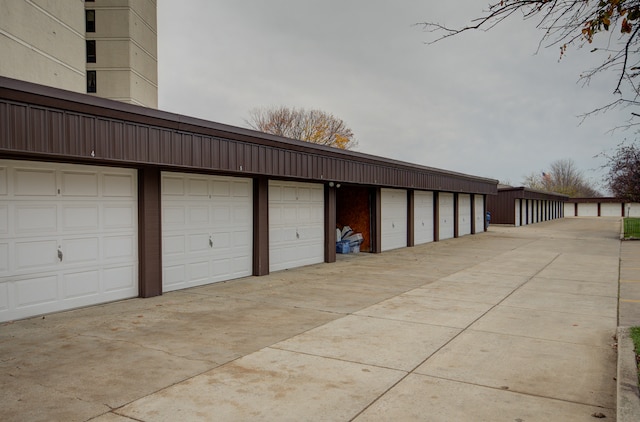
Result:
[313,126]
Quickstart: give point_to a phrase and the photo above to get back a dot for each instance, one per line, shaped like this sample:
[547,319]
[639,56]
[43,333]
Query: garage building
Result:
[520,206]
[601,207]
[101,201]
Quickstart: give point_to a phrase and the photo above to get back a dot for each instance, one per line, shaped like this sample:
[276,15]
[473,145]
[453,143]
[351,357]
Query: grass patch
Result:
[632,228]
[635,336]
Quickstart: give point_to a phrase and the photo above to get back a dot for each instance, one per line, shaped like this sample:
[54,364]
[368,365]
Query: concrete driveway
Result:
[515,324]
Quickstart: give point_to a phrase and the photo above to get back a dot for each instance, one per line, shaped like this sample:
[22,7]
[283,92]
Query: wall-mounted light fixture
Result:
[330,184]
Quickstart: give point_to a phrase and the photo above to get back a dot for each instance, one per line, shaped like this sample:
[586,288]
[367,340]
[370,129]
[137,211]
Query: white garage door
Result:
[445,204]
[479,211]
[632,209]
[464,214]
[207,229]
[517,212]
[610,210]
[530,211]
[569,209]
[68,237]
[394,218]
[422,217]
[587,210]
[296,224]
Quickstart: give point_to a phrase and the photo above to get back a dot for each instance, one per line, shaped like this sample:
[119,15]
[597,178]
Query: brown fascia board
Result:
[537,194]
[17,90]
[600,199]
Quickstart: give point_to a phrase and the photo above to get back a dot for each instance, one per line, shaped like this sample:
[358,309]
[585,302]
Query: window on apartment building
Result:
[90,19]
[91,51]
[92,82]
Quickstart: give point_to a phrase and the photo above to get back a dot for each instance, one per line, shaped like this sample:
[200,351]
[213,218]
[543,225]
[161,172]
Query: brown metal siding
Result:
[411,218]
[329,224]
[502,208]
[149,233]
[260,226]
[53,124]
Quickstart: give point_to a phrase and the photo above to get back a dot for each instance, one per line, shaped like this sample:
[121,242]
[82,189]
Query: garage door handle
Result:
[60,254]
[210,242]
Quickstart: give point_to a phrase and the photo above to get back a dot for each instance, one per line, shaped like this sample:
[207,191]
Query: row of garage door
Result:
[602,209]
[530,211]
[68,233]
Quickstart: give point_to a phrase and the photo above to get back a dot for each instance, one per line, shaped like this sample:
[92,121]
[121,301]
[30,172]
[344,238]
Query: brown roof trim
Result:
[528,193]
[595,200]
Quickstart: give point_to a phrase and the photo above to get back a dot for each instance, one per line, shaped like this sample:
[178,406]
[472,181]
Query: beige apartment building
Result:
[106,48]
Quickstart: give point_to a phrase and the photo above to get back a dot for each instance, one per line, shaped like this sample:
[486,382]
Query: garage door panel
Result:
[198,215]
[120,216]
[289,213]
[36,291]
[241,189]
[241,239]
[81,284]
[222,214]
[4,299]
[172,276]
[34,182]
[241,214]
[79,184]
[221,188]
[197,188]
[4,181]
[119,247]
[4,259]
[119,185]
[80,250]
[80,217]
[121,278]
[198,271]
[198,243]
[222,266]
[36,254]
[221,241]
[173,216]
[4,219]
[289,194]
[173,245]
[173,186]
[40,219]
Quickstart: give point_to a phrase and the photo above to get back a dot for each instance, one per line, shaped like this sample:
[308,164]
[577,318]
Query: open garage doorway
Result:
[354,209]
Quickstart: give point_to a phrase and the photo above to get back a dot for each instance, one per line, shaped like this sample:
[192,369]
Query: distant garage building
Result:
[520,206]
[601,207]
[101,201]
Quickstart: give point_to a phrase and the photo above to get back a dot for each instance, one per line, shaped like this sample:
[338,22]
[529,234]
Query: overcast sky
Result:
[483,103]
